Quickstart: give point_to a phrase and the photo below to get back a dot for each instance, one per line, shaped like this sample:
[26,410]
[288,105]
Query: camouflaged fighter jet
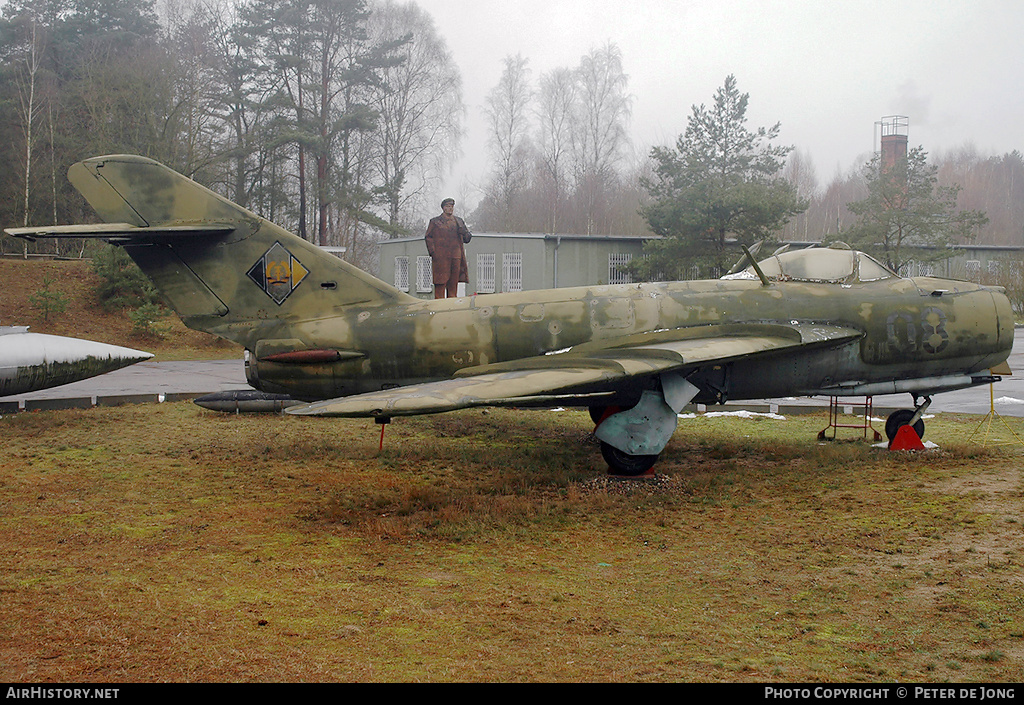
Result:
[813,322]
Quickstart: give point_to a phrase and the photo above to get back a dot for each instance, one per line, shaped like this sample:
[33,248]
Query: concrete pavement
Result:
[144,382]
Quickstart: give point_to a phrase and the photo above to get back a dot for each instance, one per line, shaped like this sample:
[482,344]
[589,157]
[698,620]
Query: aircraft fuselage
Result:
[911,328]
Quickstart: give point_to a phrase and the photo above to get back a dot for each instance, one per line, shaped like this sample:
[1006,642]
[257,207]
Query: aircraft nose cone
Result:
[1004,321]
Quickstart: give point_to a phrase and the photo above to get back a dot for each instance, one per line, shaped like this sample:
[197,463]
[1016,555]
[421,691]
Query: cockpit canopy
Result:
[820,264]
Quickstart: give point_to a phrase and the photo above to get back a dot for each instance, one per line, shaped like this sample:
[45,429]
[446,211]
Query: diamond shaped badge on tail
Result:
[278,273]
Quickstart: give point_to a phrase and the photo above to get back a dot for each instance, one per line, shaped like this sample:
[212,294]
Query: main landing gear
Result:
[632,439]
[903,421]
[621,463]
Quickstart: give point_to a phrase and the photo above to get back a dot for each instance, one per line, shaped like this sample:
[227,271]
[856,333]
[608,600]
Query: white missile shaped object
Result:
[33,361]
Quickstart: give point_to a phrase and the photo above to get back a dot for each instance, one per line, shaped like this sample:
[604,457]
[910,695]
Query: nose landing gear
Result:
[905,428]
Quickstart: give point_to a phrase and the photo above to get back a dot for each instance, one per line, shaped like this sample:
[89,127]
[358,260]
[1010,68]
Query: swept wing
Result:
[575,372]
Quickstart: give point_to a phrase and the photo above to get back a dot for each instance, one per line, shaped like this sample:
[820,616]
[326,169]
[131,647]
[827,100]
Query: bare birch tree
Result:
[27,76]
[800,172]
[507,110]
[603,112]
[556,115]
[420,110]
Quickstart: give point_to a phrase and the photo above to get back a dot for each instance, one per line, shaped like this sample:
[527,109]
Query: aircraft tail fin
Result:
[125,188]
[220,267]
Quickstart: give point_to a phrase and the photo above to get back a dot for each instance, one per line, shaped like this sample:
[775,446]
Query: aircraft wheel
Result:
[899,418]
[622,463]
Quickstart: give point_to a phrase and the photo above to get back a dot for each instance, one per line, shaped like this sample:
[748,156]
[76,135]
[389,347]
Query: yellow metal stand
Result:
[987,423]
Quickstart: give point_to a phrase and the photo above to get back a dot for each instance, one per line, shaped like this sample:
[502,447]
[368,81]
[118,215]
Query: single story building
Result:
[500,262]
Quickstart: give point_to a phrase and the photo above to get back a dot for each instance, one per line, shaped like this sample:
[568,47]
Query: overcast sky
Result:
[828,70]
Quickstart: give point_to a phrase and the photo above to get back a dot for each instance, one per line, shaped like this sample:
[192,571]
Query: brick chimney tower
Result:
[894,130]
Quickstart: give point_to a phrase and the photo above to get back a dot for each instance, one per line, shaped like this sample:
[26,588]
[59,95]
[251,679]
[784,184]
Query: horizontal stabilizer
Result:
[121,232]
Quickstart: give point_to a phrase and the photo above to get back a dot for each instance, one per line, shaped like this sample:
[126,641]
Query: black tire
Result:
[596,413]
[899,418]
[625,464]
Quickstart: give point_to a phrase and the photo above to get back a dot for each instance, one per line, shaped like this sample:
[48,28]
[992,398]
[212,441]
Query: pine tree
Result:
[906,210]
[720,182]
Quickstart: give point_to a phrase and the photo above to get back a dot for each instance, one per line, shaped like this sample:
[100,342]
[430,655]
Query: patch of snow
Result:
[928,445]
[742,414]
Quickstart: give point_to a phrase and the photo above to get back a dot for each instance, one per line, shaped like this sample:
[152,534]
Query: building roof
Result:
[542,236]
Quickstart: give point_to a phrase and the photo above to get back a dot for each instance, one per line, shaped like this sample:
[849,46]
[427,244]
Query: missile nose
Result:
[129,354]
[33,361]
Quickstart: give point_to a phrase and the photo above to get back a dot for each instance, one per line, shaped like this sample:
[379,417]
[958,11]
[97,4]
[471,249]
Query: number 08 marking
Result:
[903,332]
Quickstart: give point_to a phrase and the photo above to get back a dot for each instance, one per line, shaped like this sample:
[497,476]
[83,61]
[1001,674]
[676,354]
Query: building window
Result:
[973,270]
[485,273]
[1013,273]
[402,273]
[512,271]
[616,273]
[424,275]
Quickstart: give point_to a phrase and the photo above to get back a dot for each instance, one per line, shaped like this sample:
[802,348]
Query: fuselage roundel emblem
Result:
[278,273]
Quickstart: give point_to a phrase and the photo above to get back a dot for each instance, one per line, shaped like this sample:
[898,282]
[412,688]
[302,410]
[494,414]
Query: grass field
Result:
[168,543]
